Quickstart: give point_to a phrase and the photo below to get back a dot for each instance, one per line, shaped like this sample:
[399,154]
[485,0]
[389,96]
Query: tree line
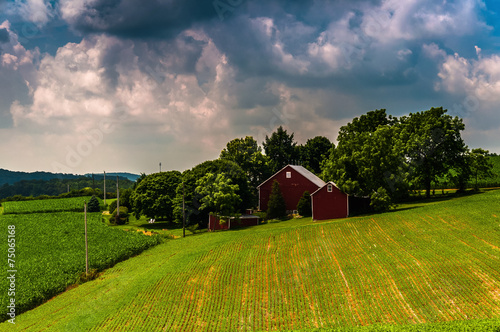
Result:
[228,185]
[378,156]
[384,157]
[58,187]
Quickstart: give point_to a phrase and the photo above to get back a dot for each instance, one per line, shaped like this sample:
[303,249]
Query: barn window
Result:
[288,175]
[329,188]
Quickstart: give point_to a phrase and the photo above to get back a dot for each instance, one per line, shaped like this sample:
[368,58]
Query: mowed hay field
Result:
[425,263]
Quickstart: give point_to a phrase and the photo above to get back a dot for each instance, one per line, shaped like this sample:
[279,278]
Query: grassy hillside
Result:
[49,253]
[424,264]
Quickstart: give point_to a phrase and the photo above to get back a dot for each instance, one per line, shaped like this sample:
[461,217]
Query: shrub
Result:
[304,205]
[276,207]
[380,200]
[261,214]
[193,228]
[93,205]
[84,277]
[122,219]
[112,206]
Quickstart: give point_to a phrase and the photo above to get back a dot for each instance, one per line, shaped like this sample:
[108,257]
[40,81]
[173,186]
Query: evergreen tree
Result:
[276,207]
[93,205]
[304,206]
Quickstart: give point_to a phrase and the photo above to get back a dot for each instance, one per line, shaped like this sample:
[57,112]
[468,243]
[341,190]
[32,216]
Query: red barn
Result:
[293,180]
[328,202]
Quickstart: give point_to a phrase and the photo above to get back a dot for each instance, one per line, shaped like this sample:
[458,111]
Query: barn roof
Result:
[329,182]
[302,171]
[308,175]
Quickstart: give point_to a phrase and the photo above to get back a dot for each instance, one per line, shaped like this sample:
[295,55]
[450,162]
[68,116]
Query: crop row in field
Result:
[50,252]
[483,325]
[46,205]
[423,265]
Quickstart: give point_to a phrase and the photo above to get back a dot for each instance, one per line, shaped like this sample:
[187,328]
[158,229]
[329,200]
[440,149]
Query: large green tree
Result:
[281,149]
[433,145]
[314,152]
[248,155]
[481,165]
[368,159]
[154,195]
[218,194]
[193,200]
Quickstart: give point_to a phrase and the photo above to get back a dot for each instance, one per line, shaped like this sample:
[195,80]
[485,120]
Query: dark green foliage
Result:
[12,177]
[314,152]
[93,205]
[369,156]
[248,155]
[121,219]
[125,200]
[433,146]
[304,207]
[218,194]
[112,206]
[154,196]
[81,186]
[380,200]
[281,149]
[494,179]
[193,202]
[139,179]
[276,207]
[481,166]
[383,157]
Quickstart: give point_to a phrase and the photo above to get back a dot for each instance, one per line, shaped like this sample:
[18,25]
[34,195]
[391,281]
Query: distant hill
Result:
[100,176]
[45,183]
[11,177]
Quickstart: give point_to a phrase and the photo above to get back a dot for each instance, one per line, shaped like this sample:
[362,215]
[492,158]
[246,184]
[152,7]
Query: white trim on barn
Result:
[329,182]
[302,171]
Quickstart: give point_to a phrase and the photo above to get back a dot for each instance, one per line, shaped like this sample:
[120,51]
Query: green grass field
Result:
[50,252]
[432,266]
[46,205]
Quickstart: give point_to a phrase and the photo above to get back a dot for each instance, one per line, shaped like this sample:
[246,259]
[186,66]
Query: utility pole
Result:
[117,199]
[160,167]
[105,189]
[86,242]
[93,183]
[183,213]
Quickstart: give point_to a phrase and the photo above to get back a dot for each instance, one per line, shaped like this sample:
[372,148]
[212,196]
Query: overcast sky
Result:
[121,85]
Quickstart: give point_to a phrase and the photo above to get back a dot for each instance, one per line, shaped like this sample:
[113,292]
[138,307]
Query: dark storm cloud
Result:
[4,36]
[166,18]
[157,18]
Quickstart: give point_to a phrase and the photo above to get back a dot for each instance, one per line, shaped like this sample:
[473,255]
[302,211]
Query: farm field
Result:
[50,252]
[414,269]
[46,205]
